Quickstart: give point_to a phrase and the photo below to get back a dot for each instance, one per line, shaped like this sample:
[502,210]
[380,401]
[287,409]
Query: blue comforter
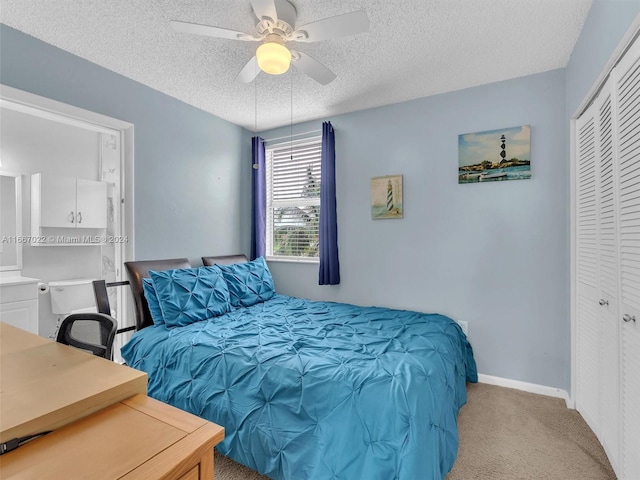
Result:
[318,390]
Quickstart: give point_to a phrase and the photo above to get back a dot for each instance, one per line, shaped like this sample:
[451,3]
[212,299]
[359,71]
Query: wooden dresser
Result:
[104,426]
[135,439]
[45,385]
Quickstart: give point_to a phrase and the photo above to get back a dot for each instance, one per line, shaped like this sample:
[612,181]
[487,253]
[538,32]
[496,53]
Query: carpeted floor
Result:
[509,434]
[506,434]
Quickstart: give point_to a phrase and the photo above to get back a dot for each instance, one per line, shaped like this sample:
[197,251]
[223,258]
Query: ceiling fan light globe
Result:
[273,58]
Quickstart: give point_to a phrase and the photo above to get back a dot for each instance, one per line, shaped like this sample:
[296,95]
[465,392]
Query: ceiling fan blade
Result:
[265,9]
[208,30]
[333,27]
[249,72]
[312,67]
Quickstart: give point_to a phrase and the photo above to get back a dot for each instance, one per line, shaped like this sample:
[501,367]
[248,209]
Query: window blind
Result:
[293,198]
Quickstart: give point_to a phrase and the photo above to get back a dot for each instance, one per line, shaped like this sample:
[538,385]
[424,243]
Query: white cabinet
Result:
[61,203]
[19,302]
[607,260]
[91,204]
[54,200]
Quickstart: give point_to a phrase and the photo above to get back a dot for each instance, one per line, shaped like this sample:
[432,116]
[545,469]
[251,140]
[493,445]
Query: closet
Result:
[607,265]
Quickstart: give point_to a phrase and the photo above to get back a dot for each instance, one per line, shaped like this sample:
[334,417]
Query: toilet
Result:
[72,296]
[75,296]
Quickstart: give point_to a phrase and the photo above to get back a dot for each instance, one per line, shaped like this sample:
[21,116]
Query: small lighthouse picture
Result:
[386,197]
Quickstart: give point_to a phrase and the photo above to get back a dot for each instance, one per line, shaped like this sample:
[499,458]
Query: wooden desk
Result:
[136,439]
[45,385]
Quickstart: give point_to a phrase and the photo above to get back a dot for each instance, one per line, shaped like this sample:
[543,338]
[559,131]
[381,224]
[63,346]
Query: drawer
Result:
[193,474]
[17,293]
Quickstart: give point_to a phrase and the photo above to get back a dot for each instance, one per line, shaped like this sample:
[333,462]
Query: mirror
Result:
[10,221]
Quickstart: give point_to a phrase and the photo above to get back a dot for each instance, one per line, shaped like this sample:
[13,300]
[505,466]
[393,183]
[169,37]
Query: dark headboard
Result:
[224,260]
[139,270]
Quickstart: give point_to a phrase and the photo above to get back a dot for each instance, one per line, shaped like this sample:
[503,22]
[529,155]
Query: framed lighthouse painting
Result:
[386,197]
[495,155]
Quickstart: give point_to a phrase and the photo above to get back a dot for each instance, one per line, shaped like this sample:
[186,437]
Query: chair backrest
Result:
[224,260]
[93,332]
[138,270]
[101,296]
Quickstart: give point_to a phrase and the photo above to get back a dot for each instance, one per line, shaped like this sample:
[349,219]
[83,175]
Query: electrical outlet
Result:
[465,327]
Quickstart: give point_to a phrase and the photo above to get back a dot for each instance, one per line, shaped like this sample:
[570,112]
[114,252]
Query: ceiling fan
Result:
[275,28]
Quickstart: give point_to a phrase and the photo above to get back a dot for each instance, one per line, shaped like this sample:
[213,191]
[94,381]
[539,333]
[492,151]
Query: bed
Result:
[312,390]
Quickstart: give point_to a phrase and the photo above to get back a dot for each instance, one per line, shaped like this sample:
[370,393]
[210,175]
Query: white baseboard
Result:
[527,387]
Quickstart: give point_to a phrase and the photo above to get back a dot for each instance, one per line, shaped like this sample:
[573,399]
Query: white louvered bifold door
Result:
[587,309]
[607,265]
[609,386]
[627,86]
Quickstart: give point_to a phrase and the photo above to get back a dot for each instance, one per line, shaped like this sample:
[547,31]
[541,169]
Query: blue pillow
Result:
[189,295]
[152,301]
[249,283]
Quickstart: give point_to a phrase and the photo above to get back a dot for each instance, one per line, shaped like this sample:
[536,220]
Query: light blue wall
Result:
[495,255]
[189,170]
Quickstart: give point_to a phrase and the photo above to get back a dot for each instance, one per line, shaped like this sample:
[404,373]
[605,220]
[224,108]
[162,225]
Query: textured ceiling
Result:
[414,48]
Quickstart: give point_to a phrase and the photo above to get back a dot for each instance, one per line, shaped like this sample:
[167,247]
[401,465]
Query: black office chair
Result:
[92,332]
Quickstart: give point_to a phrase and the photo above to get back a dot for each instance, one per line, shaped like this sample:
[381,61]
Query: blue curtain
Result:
[258,198]
[329,273]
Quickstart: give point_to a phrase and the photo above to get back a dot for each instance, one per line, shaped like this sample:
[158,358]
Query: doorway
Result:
[42,136]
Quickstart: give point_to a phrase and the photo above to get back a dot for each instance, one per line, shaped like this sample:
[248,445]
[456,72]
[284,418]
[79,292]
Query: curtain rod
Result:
[294,135]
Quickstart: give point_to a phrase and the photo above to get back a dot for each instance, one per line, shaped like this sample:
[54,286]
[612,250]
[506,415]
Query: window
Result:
[293,199]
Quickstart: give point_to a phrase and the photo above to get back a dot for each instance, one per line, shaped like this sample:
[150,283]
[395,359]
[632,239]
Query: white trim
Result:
[293,259]
[300,142]
[572,258]
[274,155]
[25,101]
[127,192]
[56,117]
[526,387]
[312,133]
[17,179]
